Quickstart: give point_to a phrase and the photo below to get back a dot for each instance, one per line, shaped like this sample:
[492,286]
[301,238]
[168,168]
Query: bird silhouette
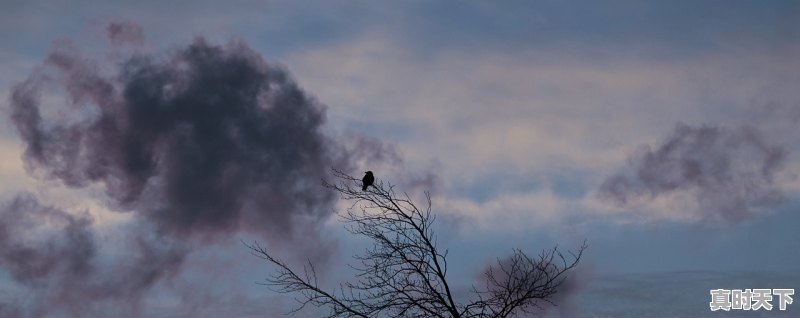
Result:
[368,180]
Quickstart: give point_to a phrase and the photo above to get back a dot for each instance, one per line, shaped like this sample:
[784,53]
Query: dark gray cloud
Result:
[9,310]
[199,143]
[729,173]
[206,140]
[56,257]
[125,32]
[66,251]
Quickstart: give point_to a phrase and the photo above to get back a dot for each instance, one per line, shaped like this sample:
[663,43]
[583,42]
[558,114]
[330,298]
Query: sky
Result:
[664,134]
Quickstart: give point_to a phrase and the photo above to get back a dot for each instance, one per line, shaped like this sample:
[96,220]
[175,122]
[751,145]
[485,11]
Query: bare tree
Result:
[404,272]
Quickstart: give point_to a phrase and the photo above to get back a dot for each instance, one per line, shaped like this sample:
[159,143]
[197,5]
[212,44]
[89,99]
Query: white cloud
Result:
[510,212]
[531,112]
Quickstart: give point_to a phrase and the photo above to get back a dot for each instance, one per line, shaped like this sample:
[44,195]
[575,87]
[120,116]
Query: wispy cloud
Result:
[524,115]
[729,173]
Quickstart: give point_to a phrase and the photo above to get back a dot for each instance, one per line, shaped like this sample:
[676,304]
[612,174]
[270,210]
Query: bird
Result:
[368,180]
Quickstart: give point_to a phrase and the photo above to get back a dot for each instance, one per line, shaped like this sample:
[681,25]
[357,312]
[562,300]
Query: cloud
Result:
[56,256]
[205,141]
[198,144]
[125,32]
[67,250]
[530,114]
[729,174]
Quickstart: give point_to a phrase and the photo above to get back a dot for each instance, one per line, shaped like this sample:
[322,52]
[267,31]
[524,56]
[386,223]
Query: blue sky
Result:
[521,110]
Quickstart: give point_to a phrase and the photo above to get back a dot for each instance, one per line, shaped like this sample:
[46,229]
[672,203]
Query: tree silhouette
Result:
[404,272]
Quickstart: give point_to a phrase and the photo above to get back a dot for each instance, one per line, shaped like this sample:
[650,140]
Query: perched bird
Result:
[368,180]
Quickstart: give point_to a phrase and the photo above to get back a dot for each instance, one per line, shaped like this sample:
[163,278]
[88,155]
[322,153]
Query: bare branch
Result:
[404,273]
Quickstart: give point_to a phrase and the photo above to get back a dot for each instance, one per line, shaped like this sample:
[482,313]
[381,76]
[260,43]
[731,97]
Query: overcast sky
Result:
[665,134]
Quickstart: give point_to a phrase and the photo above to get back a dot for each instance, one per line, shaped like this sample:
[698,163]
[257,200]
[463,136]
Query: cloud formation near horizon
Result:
[729,173]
